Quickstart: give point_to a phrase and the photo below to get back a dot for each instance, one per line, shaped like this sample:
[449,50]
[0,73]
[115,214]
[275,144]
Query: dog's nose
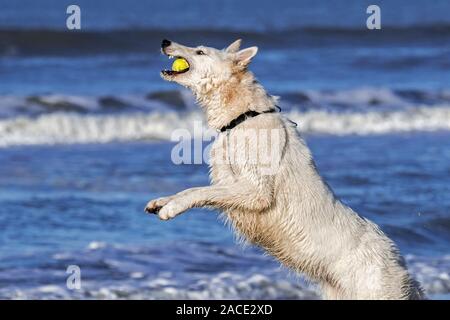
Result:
[165,43]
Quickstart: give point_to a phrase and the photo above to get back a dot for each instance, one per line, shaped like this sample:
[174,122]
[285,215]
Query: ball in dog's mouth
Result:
[180,65]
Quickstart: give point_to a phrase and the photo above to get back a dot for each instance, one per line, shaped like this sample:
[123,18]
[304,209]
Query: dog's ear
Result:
[234,47]
[244,56]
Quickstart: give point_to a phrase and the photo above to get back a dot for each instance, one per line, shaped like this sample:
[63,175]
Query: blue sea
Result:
[86,125]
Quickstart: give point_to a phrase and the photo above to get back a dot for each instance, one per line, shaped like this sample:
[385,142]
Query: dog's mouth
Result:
[180,65]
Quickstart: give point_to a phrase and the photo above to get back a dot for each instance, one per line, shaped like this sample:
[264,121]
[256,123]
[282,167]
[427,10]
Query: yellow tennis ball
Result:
[180,64]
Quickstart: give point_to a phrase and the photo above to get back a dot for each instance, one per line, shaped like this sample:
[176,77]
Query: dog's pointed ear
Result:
[244,56]
[234,47]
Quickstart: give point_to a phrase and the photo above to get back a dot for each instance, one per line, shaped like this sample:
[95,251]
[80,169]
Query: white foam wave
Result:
[432,273]
[374,122]
[132,272]
[69,128]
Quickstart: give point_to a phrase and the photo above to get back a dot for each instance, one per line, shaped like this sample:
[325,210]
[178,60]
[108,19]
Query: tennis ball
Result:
[180,64]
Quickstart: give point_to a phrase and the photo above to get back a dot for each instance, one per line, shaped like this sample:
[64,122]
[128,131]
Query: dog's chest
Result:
[223,169]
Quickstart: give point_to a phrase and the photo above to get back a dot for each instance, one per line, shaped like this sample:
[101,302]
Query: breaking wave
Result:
[417,119]
[70,128]
[68,119]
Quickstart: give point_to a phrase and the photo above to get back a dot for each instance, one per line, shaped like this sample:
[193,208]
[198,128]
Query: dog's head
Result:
[205,64]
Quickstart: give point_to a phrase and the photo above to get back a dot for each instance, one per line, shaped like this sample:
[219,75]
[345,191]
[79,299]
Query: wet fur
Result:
[292,214]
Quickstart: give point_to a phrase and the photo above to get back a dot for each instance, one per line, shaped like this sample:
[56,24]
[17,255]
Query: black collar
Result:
[242,118]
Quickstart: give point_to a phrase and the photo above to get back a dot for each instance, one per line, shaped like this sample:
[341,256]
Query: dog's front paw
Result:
[155,206]
[171,210]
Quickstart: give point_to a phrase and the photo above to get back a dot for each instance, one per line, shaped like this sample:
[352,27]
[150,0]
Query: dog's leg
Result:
[155,205]
[239,195]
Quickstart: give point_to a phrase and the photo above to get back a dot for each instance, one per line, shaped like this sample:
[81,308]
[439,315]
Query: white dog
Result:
[282,205]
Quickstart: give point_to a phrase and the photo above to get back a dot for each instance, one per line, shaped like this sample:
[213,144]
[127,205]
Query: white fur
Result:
[291,213]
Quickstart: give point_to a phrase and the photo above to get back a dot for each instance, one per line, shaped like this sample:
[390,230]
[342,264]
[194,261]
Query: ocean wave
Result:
[355,99]
[20,41]
[32,105]
[134,272]
[368,98]
[70,128]
[421,119]
[221,286]
[67,119]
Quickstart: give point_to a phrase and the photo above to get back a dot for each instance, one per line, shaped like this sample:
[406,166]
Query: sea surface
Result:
[86,129]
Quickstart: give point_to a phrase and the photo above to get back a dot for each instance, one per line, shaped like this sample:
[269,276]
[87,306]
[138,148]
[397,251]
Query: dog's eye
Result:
[200,52]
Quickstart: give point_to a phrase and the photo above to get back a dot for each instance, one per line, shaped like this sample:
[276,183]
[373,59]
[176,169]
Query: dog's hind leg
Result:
[330,292]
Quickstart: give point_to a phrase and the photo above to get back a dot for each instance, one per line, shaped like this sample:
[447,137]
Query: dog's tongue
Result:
[180,64]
